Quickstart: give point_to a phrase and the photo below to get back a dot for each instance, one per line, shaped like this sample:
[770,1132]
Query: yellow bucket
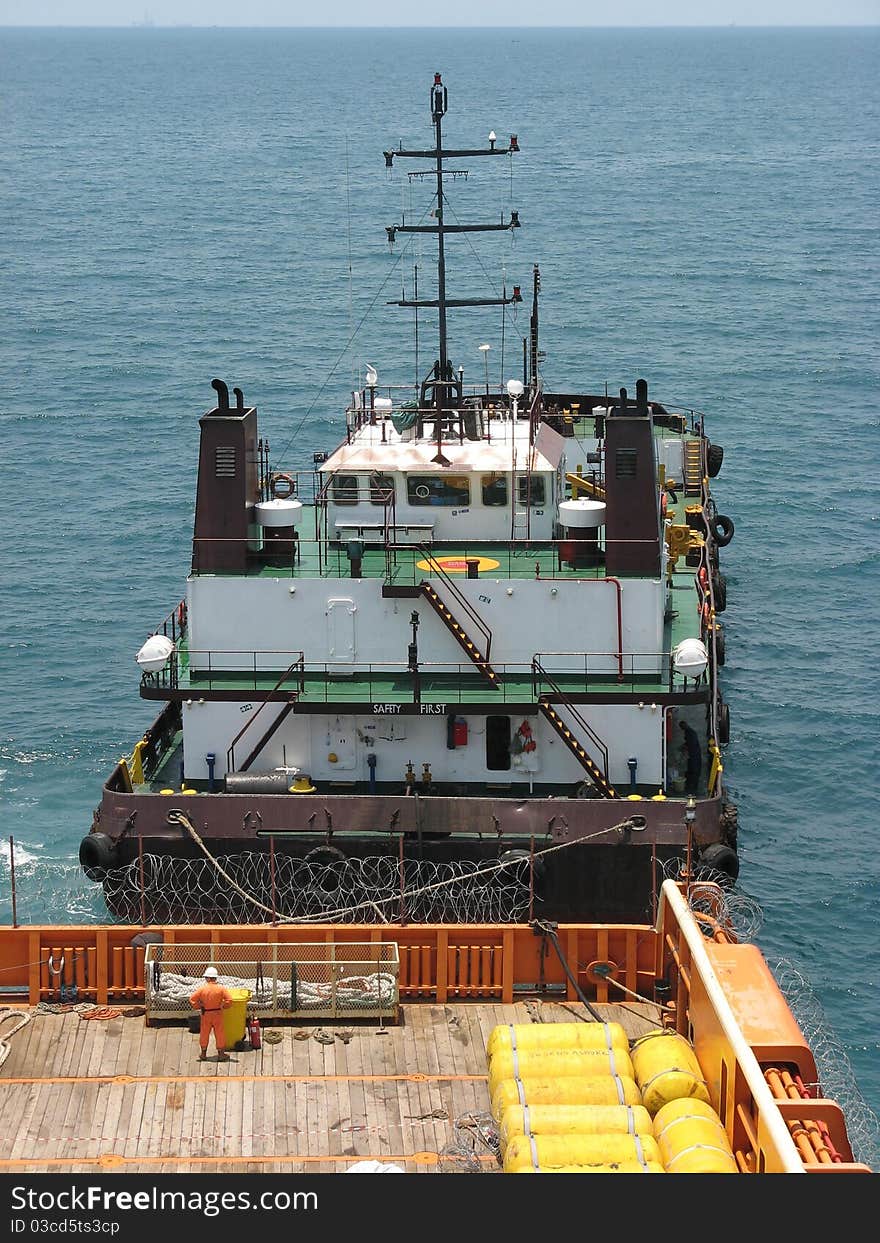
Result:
[547,1152]
[552,1063]
[574,1120]
[556,1036]
[571,1090]
[666,1068]
[235,1016]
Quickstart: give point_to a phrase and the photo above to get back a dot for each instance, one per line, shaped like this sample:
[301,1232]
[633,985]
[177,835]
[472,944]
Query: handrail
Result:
[560,697]
[300,663]
[463,601]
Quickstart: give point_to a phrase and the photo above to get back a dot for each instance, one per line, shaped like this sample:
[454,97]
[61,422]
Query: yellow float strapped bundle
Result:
[666,1069]
[570,1090]
[692,1139]
[557,1063]
[523,1036]
[618,1167]
[574,1120]
[549,1152]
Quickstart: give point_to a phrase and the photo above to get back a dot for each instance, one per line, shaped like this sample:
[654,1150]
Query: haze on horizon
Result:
[453,13]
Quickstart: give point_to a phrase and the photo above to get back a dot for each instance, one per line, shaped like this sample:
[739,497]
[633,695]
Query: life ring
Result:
[663,504]
[703,576]
[705,615]
[722,529]
[283,486]
[181,615]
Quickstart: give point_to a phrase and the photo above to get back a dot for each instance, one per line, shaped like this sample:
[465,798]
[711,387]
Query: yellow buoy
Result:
[557,1036]
[545,1152]
[574,1120]
[666,1068]
[553,1063]
[692,1139]
[619,1167]
[568,1090]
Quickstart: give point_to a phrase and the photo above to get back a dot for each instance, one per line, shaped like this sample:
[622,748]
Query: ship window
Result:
[438,489]
[494,489]
[345,489]
[498,743]
[531,490]
[381,488]
[224,461]
[625,462]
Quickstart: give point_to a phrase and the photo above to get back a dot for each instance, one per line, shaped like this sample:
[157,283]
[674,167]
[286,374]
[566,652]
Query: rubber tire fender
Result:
[723,724]
[722,530]
[720,858]
[719,646]
[719,592]
[97,853]
[714,458]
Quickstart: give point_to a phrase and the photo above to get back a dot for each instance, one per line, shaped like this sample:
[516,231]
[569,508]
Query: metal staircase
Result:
[456,629]
[598,775]
[296,669]
[693,468]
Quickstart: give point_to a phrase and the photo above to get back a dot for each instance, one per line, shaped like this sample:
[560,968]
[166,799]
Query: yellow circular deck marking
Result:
[457,565]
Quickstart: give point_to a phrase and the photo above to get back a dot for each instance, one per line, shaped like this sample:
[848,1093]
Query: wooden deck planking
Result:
[374,1096]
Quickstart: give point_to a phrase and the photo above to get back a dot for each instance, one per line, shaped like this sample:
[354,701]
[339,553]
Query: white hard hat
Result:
[210,973]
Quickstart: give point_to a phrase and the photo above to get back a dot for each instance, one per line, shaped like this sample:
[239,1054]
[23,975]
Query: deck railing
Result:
[577,673]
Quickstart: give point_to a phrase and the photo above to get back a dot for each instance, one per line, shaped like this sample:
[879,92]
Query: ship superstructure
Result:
[484,625]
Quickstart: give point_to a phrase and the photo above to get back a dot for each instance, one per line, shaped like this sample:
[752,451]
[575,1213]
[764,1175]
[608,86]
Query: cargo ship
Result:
[436,787]
[486,623]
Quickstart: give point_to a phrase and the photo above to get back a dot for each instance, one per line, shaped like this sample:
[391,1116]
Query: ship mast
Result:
[443,375]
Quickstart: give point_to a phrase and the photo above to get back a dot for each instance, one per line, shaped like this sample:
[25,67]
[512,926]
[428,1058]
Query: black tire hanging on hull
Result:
[97,854]
[722,530]
[719,646]
[714,458]
[723,724]
[720,858]
[719,592]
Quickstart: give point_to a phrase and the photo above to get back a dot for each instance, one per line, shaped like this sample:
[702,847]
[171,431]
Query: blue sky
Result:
[454,13]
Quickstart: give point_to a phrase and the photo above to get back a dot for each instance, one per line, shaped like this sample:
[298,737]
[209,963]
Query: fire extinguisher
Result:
[254,1032]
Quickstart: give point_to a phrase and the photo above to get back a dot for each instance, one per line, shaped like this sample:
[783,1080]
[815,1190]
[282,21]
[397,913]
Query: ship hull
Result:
[597,859]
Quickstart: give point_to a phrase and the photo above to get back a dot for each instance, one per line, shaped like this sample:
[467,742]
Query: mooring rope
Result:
[177,816]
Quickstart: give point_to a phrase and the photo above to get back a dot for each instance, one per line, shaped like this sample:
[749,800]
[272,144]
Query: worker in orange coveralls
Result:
[212,999]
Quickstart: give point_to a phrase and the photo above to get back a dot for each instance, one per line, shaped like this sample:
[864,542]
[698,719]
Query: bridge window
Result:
[345,489]
[381,488]
[438,490]
[531,490]
[494,489]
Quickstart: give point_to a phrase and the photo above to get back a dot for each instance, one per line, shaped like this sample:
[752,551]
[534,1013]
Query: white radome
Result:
[278,513]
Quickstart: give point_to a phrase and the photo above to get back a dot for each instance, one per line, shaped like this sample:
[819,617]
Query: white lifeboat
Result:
[154,654]
[690,658]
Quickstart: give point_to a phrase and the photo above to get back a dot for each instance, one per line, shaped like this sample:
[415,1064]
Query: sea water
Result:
[185,204]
